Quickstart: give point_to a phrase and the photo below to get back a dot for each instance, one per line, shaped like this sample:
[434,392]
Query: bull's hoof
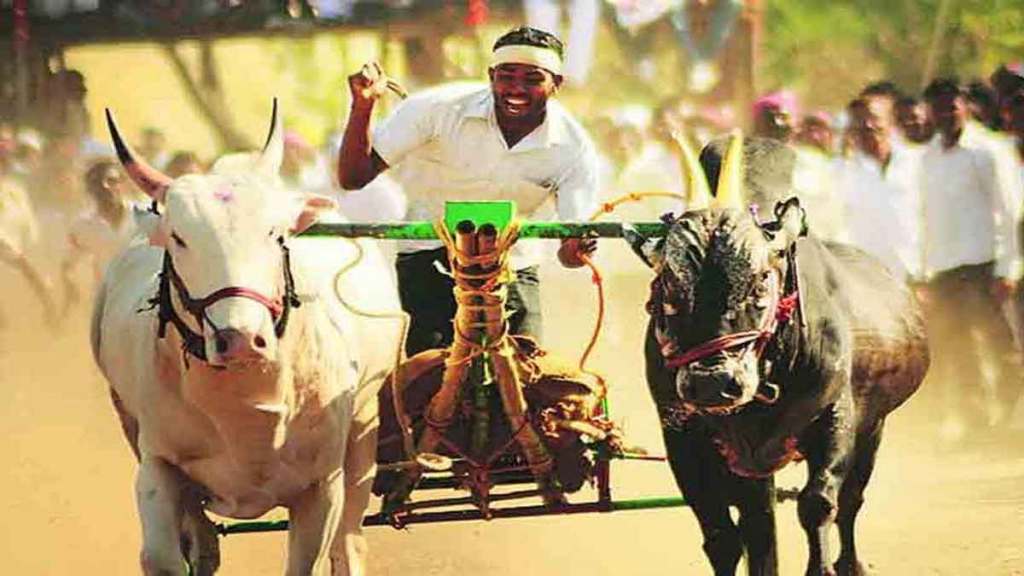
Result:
[850,567]
[551,491]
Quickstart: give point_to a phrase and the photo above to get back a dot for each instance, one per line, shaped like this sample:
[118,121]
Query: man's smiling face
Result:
[521,91]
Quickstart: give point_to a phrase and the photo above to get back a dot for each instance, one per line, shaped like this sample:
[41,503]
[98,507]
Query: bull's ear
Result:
[149,224]
[790,224]
[650,250]
[145,220]
[310,207]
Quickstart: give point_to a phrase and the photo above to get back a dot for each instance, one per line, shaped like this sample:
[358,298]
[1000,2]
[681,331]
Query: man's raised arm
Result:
[358,164]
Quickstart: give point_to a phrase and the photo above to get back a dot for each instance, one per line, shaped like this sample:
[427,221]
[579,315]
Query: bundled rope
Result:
[490,291]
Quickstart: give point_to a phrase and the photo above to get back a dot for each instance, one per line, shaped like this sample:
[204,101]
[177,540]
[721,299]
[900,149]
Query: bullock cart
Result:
[491,416]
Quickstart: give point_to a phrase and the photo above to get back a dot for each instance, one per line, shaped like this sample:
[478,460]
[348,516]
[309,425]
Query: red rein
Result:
[275,305]
[784,309]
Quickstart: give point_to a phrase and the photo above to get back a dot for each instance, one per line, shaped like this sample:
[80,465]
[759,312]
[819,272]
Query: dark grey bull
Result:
[766,346]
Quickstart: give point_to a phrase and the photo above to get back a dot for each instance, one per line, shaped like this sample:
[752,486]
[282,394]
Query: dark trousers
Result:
[968,331]
[426,295]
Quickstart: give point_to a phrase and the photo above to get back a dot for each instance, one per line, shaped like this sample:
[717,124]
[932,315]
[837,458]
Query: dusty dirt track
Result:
[68,500]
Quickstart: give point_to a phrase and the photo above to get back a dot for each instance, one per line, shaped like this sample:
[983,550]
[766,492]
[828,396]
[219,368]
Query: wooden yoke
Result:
[480,269]
[442,406]
[493,257]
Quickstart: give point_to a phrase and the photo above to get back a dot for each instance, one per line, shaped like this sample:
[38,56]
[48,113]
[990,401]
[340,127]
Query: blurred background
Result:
[203,71]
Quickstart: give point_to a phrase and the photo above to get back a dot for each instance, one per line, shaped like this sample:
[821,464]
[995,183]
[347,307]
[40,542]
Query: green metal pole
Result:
[425,230]
[647,503]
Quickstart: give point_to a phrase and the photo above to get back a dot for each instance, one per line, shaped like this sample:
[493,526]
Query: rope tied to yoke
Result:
[596,276]
[477,292]
[404,422]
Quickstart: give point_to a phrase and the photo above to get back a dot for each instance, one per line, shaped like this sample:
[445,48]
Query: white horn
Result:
[729,192]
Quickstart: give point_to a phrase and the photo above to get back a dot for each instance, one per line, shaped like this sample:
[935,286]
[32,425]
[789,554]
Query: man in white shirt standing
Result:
[972,261]
[879,184]
[506,141]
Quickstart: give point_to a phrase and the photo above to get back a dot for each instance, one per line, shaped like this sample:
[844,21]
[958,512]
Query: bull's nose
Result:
[232,344]
[713,389]
[731,390]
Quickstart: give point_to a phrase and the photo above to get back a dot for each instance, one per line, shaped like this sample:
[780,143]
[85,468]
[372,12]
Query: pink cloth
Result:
[294,139]
[784,100]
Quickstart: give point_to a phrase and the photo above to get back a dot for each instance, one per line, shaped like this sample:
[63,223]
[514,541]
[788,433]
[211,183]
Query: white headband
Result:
[533,55]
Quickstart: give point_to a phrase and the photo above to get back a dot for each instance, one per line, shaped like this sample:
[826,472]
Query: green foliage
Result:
[820,48]
[828,49]
[316,68]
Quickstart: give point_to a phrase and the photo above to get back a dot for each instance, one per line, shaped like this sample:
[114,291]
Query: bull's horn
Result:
[729,193]
[150,180]
[698,194]
[273,150]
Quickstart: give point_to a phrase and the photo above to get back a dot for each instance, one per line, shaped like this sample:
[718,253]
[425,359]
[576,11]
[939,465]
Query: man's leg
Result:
[955,372]
[524,304]
[1001,350]
[426,295]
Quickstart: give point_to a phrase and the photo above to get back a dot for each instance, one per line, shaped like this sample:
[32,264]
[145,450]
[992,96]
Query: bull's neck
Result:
[249,398]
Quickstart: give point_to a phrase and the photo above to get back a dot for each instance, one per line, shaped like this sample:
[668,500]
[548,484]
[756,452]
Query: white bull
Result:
[237,393]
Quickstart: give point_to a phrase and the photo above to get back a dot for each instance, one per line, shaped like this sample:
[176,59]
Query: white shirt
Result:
[379,201]
[967,216]
[93,237]
[18,225]
[653,169]
[445,144]
[883,208]
[813,184]
[1004,147]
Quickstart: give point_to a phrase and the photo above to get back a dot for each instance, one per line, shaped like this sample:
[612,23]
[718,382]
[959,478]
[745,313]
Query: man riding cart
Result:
[506,141]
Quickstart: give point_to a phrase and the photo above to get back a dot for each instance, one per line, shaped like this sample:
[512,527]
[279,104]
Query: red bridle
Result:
[193,343]
[197,307]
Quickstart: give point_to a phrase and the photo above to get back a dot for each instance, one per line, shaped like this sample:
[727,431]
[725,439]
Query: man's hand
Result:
[572,250]
[368,84]
[1002,289]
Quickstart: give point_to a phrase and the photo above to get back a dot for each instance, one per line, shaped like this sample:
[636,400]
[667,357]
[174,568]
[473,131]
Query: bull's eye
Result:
[177,240]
